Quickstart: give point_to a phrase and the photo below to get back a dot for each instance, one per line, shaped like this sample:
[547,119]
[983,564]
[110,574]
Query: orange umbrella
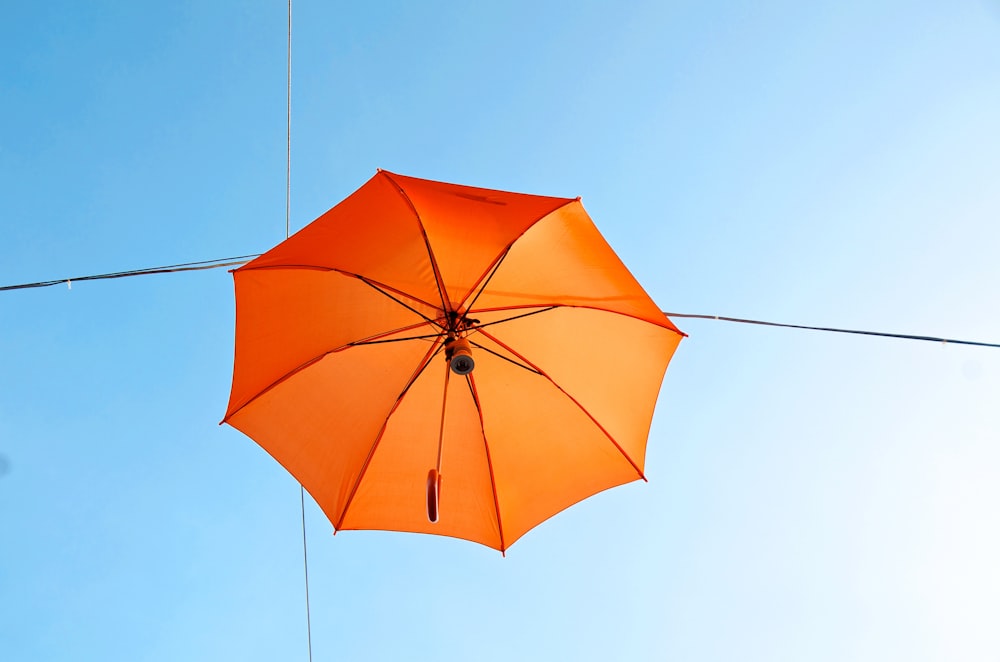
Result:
[445,359]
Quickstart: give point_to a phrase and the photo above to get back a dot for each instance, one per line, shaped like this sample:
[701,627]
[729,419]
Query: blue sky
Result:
[811,496]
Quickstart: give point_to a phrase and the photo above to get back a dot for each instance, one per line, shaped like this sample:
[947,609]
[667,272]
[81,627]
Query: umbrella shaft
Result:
[444,406]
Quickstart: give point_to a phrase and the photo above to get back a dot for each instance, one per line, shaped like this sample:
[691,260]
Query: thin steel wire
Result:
[288,129]
[243,259]
[147,271]
[305,564]
[288,232]
[899,336]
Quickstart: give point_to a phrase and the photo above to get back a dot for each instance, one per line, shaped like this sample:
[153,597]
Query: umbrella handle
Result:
[433,494]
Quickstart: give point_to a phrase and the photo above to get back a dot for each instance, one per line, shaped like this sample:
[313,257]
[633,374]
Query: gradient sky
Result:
[811,497]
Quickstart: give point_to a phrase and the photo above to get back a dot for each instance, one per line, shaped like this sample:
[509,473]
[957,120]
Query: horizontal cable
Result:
[243,259]
[902,336]
[168,269]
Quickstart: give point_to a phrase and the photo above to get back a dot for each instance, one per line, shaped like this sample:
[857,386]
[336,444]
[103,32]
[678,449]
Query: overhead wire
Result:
[147,271]
[239,260]
[288,232]
[882,334]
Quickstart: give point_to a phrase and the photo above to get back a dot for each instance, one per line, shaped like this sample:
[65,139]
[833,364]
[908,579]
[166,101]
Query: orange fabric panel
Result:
[321,423]
[288,317]
[546,453]
[563,259]
[391,494]
[469,228]
[613,370]
[374,232]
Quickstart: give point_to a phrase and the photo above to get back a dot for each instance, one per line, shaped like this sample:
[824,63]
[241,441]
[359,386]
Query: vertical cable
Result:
[288,227]
[288,129]
[305,564]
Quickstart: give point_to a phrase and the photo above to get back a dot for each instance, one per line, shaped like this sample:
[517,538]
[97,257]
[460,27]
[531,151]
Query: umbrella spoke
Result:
[489,458]
[544,307]
[429,336]
[492,269]
[505,358]
[438,280]
[482,287]
[383,337]
[384,289]
[370,340]
[515,317]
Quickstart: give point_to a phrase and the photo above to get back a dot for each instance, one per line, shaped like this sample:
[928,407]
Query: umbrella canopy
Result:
[445,359]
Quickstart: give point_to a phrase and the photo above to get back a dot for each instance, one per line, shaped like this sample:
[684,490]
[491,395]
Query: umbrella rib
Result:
[377,288]
[375,337]
[572,399]
[515,317]
[489,460]
[381,287]
[492,269]
[372,339]
[505,358]
[438,280]
[552,306]
[431,353]
[379,342]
